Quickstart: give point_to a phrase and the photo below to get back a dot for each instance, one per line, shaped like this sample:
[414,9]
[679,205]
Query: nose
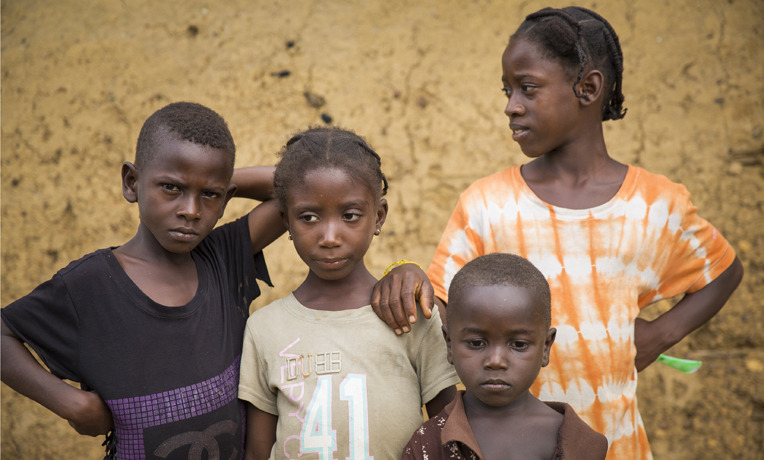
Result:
[330,235]
[496,358]
[190,208]
[514,107]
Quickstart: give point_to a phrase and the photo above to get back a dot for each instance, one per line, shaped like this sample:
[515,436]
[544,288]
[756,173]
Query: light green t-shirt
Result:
[343,385]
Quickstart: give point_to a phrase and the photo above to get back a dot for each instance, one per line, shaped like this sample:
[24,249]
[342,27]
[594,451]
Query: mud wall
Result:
[421,81]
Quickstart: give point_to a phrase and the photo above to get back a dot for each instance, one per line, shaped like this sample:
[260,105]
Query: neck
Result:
[348,293]
[477,409]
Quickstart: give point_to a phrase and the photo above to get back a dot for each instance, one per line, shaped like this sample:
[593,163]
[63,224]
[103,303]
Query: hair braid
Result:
[570,36]
[328,147]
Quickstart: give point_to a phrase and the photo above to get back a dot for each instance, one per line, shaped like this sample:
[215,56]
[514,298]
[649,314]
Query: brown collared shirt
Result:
[448,436]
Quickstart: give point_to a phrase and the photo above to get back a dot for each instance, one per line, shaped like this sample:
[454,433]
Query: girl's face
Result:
[332,220]
[542,109]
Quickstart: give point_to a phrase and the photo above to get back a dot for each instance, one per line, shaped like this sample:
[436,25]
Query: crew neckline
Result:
[149,305]
[609,207]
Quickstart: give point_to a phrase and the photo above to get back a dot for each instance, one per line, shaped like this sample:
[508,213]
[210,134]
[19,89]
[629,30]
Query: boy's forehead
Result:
[508,300]
[169,150]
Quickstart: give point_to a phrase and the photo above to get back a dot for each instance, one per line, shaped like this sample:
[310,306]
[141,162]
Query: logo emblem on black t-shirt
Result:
[199,441]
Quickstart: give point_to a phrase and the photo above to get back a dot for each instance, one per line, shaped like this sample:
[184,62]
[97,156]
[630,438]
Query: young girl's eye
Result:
[351,216]
[308,218]
[526,88]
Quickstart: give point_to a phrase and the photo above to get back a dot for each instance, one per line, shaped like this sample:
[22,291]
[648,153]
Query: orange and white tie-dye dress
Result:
[603,265]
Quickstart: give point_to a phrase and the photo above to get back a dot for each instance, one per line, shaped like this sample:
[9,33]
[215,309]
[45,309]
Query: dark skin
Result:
[498,341]
[571,168]
[181,195]
[332,221]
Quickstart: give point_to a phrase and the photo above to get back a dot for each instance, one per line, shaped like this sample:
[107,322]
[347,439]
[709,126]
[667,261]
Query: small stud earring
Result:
[376,232]
[289,236]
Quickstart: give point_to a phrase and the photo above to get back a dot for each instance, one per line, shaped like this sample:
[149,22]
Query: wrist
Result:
[400,262]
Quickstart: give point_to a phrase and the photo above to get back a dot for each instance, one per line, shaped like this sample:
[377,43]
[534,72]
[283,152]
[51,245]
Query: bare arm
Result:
[439,402]
[261,434]
[265,224]
[655,337]
[394,297]
[85,410]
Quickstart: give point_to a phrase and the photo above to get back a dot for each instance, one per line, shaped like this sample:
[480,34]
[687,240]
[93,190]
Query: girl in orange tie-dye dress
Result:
[609,237]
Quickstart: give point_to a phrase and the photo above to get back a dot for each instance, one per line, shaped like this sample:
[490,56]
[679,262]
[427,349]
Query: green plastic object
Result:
[687,366]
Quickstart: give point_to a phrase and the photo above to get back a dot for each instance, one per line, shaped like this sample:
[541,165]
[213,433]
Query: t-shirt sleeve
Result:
[434,371]
[696,252]
[458,245]
[46,320]
[231,247]
[253,378]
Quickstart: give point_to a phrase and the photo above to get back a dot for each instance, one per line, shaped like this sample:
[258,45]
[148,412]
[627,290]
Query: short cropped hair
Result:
[186,121]
[502,270]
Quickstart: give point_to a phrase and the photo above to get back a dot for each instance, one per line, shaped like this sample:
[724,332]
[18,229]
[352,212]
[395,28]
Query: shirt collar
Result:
[457,426]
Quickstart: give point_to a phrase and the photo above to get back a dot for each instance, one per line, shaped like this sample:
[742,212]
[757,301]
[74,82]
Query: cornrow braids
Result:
[577,37]
[328,147]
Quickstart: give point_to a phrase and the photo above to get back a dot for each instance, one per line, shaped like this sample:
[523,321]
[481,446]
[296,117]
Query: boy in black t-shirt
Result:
[154,327]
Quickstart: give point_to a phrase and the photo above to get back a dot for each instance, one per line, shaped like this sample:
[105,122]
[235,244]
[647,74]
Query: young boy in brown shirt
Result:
[498,337]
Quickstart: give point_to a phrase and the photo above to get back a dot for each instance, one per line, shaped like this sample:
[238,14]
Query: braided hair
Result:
[576,37]
[328,147]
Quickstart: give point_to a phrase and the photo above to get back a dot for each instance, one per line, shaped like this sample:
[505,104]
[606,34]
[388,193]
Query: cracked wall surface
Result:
[420,80]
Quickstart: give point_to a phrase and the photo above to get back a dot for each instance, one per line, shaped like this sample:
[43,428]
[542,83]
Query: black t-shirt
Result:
[169,374]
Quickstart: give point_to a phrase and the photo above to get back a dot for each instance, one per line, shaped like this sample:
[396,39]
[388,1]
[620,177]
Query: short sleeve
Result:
[458,245]
[698,252]
[230,247]
[434,371]
[253,378]
[46,320]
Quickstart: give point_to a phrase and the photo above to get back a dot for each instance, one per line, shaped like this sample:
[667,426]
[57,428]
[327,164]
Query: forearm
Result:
[254,182]
[694,310]
[439,402]
[261,433]
[22,372]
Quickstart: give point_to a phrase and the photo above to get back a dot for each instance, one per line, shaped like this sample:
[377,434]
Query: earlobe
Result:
[550,336]
[130,182]
[448,344]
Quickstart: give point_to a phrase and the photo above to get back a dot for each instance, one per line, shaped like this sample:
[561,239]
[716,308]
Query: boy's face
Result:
[498,342]
[181,193]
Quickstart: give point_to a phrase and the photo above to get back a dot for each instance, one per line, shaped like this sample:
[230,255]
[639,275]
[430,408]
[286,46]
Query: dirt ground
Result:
[419,79]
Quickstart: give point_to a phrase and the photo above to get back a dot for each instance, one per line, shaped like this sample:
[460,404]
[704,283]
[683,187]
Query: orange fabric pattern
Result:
[603,265]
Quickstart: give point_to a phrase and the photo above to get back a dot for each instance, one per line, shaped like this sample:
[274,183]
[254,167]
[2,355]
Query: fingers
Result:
[427,298]
[380,304]
[395,303]
[409,288]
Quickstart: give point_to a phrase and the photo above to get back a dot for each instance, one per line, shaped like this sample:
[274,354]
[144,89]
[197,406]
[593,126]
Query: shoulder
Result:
[651,184]
[85,263]
[496,182]
[426,442]
[576,439]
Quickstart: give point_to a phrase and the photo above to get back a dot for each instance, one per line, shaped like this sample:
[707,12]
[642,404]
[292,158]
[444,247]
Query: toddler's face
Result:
[332,220]
[498,342]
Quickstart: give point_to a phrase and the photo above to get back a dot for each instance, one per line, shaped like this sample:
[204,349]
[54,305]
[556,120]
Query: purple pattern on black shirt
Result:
[133,415]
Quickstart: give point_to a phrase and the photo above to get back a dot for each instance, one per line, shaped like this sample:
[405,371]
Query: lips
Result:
[331,264]
[184,234]
[495,384]
[518,131]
